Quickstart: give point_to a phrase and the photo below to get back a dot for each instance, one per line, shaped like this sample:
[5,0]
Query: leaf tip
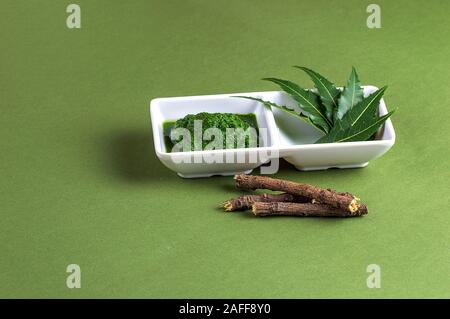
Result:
[305,69]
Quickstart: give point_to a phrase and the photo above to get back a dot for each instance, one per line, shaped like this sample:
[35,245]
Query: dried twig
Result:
[245,202]
[303,209]
[343,201]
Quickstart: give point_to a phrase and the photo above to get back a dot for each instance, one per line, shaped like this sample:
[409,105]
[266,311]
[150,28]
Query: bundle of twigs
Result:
[296,200]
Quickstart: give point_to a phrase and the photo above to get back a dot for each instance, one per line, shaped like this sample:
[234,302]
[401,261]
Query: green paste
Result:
[221,121]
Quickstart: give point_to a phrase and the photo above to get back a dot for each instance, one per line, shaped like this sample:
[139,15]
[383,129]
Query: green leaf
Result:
[285,109]
[359,123]
[362,112]
[353,94]
[327,90]
[308,101]
[362,131]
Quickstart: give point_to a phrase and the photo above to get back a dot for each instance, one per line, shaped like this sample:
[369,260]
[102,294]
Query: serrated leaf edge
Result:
[314,74]
[278,81]
[284,108]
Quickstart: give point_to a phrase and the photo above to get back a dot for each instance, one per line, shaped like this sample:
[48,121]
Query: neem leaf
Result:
[308,101]
[362,131]
[328,92]
[285,109]
[359,123]
[352,95]
[363,111]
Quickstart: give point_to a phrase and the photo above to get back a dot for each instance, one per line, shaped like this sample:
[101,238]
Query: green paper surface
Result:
[81,184]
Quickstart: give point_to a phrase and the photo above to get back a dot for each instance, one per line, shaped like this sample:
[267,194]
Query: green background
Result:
[80,182]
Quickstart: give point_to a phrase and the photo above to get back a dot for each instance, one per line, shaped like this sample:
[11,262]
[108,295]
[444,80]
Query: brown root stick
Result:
[343,201]
[303,209]
[245,202]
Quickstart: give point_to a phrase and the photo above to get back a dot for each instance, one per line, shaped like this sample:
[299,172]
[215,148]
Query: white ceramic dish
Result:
[287,137]
[200,163]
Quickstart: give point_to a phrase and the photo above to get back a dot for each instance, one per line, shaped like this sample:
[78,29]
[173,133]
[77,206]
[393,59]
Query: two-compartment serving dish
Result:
[287,137]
